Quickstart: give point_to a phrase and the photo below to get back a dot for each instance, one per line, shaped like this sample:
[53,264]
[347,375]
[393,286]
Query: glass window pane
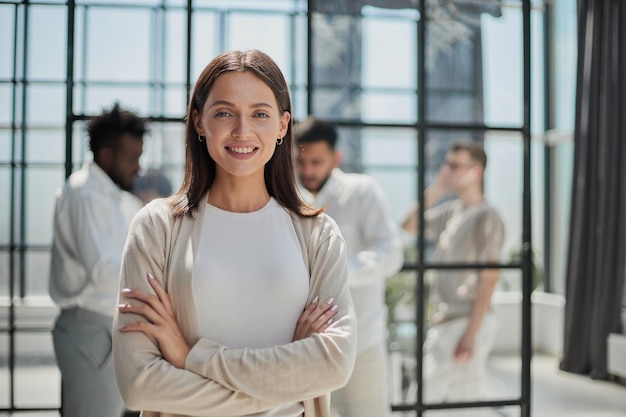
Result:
[502,67]
[6,102]
[5,205]
[498,342]
[5,147]
[98,98]
[338,103]
[502,178]
[397,186]
[7,28]
[164,150]
[121,2]
[537,184]
[562,176]
[252,4]
[336,65]
[452,67]
[45,145]
[275,40]
[4,350]
[37,271]
[41,188]
[400,301]
[46,104]
[80,145]
[15,104]
[503,186]
[437,145]
[37,383]
[447,105]
[396,107]
[174,54]
[80,40]
[118,44]
[4,286]
[47,45]
[389,51]
[389,147]
[175,102]
[537,117]
[299,103]
[565,50]
[204,41]
[299,49]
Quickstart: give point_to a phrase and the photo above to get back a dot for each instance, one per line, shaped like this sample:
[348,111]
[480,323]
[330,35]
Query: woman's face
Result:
[241,121]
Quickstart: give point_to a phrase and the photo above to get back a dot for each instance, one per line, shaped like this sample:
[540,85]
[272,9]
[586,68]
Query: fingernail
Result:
[334,308]
[330,300]
[329,321]
[315,300]
[126,290]
[121,306]
[150,275]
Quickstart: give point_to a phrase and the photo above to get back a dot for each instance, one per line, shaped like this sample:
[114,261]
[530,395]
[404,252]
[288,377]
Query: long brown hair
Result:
[200,168]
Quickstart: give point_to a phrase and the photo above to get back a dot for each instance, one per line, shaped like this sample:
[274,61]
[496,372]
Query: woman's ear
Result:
[196,120]
[284,124]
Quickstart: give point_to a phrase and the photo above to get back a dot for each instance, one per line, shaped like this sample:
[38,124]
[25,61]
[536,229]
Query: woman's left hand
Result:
[161,323]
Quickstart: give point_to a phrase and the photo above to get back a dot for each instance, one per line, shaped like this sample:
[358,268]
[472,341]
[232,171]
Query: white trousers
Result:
[448,381]
[365,395]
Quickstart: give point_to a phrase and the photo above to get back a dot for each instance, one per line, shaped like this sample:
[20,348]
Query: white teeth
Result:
[244,149]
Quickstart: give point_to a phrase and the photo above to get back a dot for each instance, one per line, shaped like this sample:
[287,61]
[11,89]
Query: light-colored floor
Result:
[554,393]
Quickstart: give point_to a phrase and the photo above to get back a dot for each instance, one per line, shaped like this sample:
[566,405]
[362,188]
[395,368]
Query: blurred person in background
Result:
[152,184]
[358,205]
[91,219]
[466,230]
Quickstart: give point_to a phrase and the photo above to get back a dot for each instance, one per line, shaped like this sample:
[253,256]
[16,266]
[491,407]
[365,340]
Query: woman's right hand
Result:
[315,318]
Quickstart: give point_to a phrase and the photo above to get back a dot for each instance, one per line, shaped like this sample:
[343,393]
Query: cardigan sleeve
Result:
[146,380]
[303,369]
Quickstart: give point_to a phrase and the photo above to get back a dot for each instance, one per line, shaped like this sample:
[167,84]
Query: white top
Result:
[358,205]
[217,380]
[91,220]
[250,283]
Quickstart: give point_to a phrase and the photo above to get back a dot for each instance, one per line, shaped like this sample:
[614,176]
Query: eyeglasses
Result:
[455,165]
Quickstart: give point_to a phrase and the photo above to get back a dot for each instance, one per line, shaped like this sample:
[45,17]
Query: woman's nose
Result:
[242,128]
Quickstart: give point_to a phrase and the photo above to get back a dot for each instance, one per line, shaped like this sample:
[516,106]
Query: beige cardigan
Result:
[218,381]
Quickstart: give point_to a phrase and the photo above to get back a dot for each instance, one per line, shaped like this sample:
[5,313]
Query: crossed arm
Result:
[161,323]
[203,377]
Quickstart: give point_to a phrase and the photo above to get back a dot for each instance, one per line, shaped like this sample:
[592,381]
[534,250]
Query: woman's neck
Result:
[238,195]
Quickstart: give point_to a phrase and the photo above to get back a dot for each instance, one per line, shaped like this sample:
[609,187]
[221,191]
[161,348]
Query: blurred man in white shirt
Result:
[91,219]
[358,205]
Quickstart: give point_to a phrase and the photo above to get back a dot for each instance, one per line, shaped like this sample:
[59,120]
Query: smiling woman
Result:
[235,239]
[242,122]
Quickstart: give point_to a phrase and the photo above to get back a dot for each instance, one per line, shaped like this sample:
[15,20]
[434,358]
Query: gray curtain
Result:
[595,270]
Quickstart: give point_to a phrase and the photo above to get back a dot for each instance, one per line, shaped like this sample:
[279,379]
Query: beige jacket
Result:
[218,381]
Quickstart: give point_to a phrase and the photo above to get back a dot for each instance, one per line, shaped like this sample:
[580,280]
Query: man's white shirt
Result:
[91,220]
[358,205]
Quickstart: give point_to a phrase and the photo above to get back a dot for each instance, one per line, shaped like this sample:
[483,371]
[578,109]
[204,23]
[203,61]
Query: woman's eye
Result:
[262,115]
[222,114]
